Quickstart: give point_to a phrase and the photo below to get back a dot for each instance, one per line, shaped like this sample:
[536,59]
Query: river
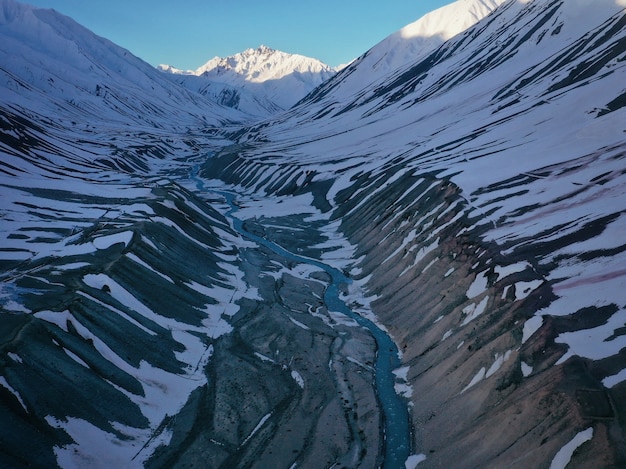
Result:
[397,435]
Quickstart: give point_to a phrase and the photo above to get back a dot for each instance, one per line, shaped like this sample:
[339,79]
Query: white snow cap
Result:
[258,65]
[430,31]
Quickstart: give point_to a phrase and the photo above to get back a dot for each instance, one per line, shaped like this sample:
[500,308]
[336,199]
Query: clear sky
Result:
[188,33]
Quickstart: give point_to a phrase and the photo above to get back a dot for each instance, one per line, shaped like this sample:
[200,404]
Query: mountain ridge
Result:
[499,135]
[275,80]
[258,64]
[46,53]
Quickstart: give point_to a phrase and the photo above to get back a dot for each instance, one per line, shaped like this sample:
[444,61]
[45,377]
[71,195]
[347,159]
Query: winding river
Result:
[394,408]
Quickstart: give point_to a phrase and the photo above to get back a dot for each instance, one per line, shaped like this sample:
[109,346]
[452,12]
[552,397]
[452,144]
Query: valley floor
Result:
[294,382]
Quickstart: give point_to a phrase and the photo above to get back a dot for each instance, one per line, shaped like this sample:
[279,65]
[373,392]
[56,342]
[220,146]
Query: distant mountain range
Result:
[265,81]
[257,81]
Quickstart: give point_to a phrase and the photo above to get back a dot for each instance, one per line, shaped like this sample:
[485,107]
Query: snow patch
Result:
[5,384]
[105,242]
[498,362]
[76,358]
[524,289]
[614,380]
[531,326]
[595,343]
[257,428]
[413,460]
[478,286]
[478,377]
[421,254]
[401,386]
[505,271]
[96,448]
[472,311]
[299,324]
[297,378]
[564,455]
[58,318]
[15,357]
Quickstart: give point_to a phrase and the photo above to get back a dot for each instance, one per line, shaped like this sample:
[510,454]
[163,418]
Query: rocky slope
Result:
[485,200]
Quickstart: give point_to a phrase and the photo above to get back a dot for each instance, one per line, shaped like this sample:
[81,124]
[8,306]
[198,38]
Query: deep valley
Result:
[415,266]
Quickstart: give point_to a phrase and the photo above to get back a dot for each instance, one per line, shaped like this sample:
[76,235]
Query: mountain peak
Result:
[262,64]
[430,31]
[415,40]
[262,50]
[280,77]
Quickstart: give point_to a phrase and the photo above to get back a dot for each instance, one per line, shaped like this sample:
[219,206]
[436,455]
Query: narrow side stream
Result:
[393,408]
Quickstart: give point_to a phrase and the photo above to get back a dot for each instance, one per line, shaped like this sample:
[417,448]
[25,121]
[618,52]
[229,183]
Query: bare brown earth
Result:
[505,420]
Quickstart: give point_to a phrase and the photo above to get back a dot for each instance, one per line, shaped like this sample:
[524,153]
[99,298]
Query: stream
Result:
[394,408]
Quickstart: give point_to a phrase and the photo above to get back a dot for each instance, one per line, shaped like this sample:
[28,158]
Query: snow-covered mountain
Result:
[259,81]
[49,61]
[472,187]
[265,64]
[87,375]
[414,41]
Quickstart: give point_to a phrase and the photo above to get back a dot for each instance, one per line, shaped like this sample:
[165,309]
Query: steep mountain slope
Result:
[259,81]
[483,188]
[139,327]
[92,361]
[411,43]
[52,65]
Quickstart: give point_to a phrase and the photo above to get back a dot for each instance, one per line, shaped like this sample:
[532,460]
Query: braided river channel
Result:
[397,435]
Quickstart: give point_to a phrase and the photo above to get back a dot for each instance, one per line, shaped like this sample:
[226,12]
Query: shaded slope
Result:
[133,313]
[52,65]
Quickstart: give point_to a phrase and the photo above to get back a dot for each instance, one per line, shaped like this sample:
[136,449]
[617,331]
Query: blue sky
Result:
[187,33]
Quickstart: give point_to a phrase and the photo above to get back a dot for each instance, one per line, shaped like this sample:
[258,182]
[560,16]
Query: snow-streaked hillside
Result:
[51,64]
[260,81]
[88,231]
[472,185]
[413,42]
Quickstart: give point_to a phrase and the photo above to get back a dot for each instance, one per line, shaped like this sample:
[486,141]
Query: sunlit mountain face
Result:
[420,264]
[260,82]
